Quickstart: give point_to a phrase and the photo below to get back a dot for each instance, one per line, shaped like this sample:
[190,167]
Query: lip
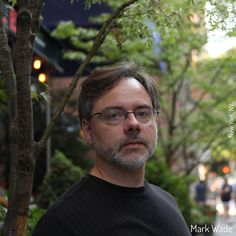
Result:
[133,144]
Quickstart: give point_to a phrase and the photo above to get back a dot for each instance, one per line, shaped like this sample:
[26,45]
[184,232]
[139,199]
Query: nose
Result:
[131,123]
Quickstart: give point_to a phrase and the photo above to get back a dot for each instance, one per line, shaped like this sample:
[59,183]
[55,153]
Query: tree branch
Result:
[171,124]
[105,29]
[6,68]
[203,93]
[35,8]
[207,111]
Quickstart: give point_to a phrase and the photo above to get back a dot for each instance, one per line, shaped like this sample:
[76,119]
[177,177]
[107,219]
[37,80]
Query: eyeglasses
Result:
[114,116]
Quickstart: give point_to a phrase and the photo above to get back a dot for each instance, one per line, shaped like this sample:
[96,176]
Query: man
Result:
[118,109]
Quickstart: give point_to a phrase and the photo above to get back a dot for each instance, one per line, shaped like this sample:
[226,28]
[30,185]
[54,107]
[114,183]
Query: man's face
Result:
[127,144]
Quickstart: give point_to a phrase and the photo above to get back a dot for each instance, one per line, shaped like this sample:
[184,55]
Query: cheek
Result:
[105,136]
[151,131]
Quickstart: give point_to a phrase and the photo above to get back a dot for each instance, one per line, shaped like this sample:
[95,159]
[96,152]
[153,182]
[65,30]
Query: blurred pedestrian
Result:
[225,195]
[201,193]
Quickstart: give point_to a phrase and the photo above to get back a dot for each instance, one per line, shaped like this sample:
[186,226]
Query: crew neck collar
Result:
[119,188]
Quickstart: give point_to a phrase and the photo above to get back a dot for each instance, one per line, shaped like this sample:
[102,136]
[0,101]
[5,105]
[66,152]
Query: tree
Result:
[189,88]
[16,71]
[195,92]
[127,21]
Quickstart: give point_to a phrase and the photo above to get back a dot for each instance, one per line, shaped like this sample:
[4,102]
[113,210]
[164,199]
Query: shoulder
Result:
[161,195]
[167,208]
[157,190]
[51,225]
[78,192]
[65,208]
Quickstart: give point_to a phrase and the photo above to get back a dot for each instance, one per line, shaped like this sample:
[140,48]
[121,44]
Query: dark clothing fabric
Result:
[95,207]
[226,192]
[201,190]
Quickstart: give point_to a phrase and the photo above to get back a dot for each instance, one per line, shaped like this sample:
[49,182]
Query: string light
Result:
[42,78]
[37,64]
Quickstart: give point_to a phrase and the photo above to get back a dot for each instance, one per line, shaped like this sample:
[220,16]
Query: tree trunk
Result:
[22,159]
[20,198]
[6,68]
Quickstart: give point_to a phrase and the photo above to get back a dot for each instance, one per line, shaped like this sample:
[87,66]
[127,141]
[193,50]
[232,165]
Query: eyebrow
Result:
[120,107]
[113,107]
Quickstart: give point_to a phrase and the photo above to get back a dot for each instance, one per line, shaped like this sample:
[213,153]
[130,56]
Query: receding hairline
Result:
[95,86]
[116,84]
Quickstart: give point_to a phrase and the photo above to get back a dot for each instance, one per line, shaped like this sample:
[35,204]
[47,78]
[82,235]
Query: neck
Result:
[117,175]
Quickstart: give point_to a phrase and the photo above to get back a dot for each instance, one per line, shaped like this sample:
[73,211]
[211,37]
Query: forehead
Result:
[128,93]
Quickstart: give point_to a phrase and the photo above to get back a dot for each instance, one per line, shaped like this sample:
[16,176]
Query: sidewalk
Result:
[223,226]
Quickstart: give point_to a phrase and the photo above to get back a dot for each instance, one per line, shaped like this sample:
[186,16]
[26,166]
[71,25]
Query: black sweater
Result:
[95,207]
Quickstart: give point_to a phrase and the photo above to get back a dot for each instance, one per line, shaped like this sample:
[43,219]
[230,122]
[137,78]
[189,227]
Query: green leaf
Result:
[88,3]
[72,55]
[64,30]
[45,96]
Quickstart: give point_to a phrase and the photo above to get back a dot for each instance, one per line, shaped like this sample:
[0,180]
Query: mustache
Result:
[133,139]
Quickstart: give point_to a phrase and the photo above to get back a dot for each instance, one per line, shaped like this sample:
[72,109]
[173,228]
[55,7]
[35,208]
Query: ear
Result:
[87,133]
[156,120]
[157,124]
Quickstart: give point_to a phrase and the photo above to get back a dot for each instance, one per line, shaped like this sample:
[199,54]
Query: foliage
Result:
[62,175]
[214,89]
[34,216]
[221,15]
[157,173]
[65,138]
[2,218]
[166,38]
[203,214]
[66,133]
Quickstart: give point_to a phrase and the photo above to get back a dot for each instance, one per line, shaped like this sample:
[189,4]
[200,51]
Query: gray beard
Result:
[127,159]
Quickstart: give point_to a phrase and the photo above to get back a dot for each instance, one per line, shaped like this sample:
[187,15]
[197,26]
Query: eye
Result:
[112,115]
[143,113]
